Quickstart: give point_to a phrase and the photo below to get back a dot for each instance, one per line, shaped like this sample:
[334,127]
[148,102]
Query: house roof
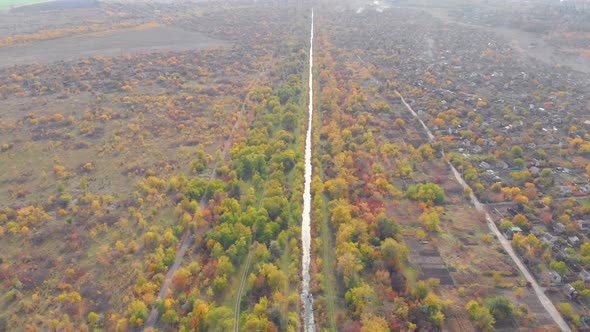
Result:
[548,237]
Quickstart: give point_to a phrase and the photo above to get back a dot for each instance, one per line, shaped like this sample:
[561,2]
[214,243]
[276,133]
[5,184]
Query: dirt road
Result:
[184,243]
[539,291]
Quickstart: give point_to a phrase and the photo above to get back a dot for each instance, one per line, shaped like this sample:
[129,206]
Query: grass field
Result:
[5,4]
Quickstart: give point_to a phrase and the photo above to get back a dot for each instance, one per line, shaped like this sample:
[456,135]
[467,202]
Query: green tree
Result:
[285,158]
[349,265]
[199,188]
[481,316]
[500,307]
[341,212]
[202,316]
[559,267]
[387,227]
[521,221]
[394,253]
[434,306]
[516,151]
[506,225]
[429,192]
[359,298]
[372,323]
[426,151]
[274,205]
[521,176]
[431,220]
[170,317]
[94,318]
[138,313]
[336,188]
[566,309]
[221,318]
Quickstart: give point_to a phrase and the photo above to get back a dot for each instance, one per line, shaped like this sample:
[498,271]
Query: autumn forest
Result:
[152,158]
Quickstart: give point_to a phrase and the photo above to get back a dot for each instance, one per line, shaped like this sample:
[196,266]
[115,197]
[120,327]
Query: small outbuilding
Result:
[549,238]
[584,275]
[584,225]
[554,277]
[574,241]
[559,228]
[511,231]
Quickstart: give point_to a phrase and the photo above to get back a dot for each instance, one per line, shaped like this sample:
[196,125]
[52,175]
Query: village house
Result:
[584,225]
[565,190]
[584,275]
[539,230]
[549,239]
[559,228]
[484,165]
[574,241]
[553,277]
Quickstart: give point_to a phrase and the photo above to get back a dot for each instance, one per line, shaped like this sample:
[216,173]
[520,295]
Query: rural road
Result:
[539,291]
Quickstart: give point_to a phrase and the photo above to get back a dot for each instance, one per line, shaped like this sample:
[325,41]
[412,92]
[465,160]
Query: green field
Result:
[5,4]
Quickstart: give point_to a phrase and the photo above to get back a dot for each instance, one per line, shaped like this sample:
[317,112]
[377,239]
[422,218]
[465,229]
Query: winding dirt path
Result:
[240,291]
[185,241]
